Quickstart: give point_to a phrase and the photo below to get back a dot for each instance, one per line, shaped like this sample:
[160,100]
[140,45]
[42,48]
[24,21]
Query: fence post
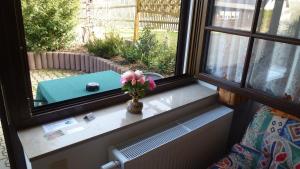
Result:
[136,21]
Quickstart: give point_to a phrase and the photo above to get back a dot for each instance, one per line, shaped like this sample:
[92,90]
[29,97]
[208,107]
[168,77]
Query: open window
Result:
[67,44]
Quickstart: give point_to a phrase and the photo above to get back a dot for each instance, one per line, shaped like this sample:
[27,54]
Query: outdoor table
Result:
[72,87]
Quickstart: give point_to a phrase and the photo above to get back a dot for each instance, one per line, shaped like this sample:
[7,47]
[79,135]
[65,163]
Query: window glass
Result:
[280,18]
[72,43]
[275,69]
[235,14]
[226,56]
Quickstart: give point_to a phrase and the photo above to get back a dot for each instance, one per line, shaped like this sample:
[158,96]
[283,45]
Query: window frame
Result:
[17,90]
[241,88]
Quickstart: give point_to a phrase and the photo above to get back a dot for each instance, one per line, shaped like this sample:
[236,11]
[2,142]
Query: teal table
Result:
[72,87]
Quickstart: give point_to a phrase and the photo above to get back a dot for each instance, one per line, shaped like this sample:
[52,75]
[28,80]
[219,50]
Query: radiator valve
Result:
[112,165]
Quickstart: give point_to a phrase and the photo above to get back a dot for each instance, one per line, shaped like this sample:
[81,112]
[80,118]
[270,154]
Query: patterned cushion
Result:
[242,157]
[286,149]
[272,140]
[264,128]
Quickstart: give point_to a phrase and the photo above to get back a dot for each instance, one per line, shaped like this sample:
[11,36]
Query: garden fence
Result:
[98,16]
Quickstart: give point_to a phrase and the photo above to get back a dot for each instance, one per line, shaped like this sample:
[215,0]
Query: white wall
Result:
[94,153]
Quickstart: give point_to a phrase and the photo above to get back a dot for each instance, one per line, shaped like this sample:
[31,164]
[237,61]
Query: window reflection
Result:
[275,69]
[235,14]
[280,18]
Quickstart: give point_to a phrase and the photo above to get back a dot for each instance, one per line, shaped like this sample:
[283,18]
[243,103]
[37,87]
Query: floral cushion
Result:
[286,149]
[264,128]
[242,157]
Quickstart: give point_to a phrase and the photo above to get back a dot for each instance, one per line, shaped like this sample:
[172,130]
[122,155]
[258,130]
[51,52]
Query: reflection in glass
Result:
[226,56]
[280,18]
[235,14]
[275,69]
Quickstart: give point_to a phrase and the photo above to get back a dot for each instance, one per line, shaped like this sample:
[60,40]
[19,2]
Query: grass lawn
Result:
[172,36]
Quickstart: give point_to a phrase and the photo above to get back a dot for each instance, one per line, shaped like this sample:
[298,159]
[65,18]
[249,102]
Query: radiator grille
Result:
[201,120]
[180,144]
[145,145]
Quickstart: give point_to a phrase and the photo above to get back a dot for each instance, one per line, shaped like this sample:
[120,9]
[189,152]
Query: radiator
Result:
[190,143]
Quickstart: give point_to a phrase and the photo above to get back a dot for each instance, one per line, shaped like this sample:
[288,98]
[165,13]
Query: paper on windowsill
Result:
[55,126]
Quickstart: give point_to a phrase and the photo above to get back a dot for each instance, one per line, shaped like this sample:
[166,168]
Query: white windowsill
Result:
[111,119]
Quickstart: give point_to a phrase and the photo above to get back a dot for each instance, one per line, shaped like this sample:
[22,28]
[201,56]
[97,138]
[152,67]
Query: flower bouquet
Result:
[135,84]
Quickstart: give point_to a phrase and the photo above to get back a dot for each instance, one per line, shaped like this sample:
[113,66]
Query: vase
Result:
[134,106]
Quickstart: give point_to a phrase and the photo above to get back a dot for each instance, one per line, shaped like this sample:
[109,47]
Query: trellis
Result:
[160,8]
[158,14]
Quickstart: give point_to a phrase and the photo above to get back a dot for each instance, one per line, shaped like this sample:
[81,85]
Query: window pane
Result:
[280,18]
[235,14]
[226,56]
[72,43]
[275,69]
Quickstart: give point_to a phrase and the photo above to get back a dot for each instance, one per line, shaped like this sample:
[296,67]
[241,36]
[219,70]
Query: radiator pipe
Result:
[112,165]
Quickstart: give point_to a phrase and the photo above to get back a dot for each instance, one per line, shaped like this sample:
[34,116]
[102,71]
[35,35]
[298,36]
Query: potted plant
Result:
[135,84]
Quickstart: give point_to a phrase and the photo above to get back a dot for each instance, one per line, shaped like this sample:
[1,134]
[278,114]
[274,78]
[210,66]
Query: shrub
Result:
[49,24]
[165,59]
[147,45]
[131,53]
[106,48]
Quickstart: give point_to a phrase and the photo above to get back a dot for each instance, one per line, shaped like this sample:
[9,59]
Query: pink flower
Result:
[123,81]
[133,82]
[139,74]
[128,76]
[142,79]
[152,84]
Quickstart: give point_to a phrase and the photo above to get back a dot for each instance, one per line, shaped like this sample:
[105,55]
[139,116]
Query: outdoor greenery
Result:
[130,52]
[106,48]
[148,51]
[49,24]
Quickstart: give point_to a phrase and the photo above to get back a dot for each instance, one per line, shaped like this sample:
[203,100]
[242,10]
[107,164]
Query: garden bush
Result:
[164,62]
[157,56]
[107,48]
[49,24]
[147,45]
[131,53]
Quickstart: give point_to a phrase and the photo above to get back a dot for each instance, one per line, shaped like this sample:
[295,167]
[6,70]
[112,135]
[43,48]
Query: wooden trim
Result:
[182,36]
[257,95]
[276,38]
[196,41]
[250,43]
[228,31]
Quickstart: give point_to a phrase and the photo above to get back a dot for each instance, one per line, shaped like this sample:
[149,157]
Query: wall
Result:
[94,153]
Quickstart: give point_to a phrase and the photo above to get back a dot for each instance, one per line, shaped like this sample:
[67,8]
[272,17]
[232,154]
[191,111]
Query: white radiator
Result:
[190,143]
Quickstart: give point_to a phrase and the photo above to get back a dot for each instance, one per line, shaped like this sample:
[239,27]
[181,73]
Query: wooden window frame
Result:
[16,83]
[241,88]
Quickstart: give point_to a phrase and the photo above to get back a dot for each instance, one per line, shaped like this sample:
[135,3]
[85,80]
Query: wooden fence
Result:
[128,14]
[71,61]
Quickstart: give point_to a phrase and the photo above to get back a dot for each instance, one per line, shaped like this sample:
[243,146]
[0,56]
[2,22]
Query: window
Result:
[72,43]
[56,47]
[252,47]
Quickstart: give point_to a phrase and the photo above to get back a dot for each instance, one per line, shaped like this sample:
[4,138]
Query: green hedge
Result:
[106,48]
[156,56]
[49,24]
